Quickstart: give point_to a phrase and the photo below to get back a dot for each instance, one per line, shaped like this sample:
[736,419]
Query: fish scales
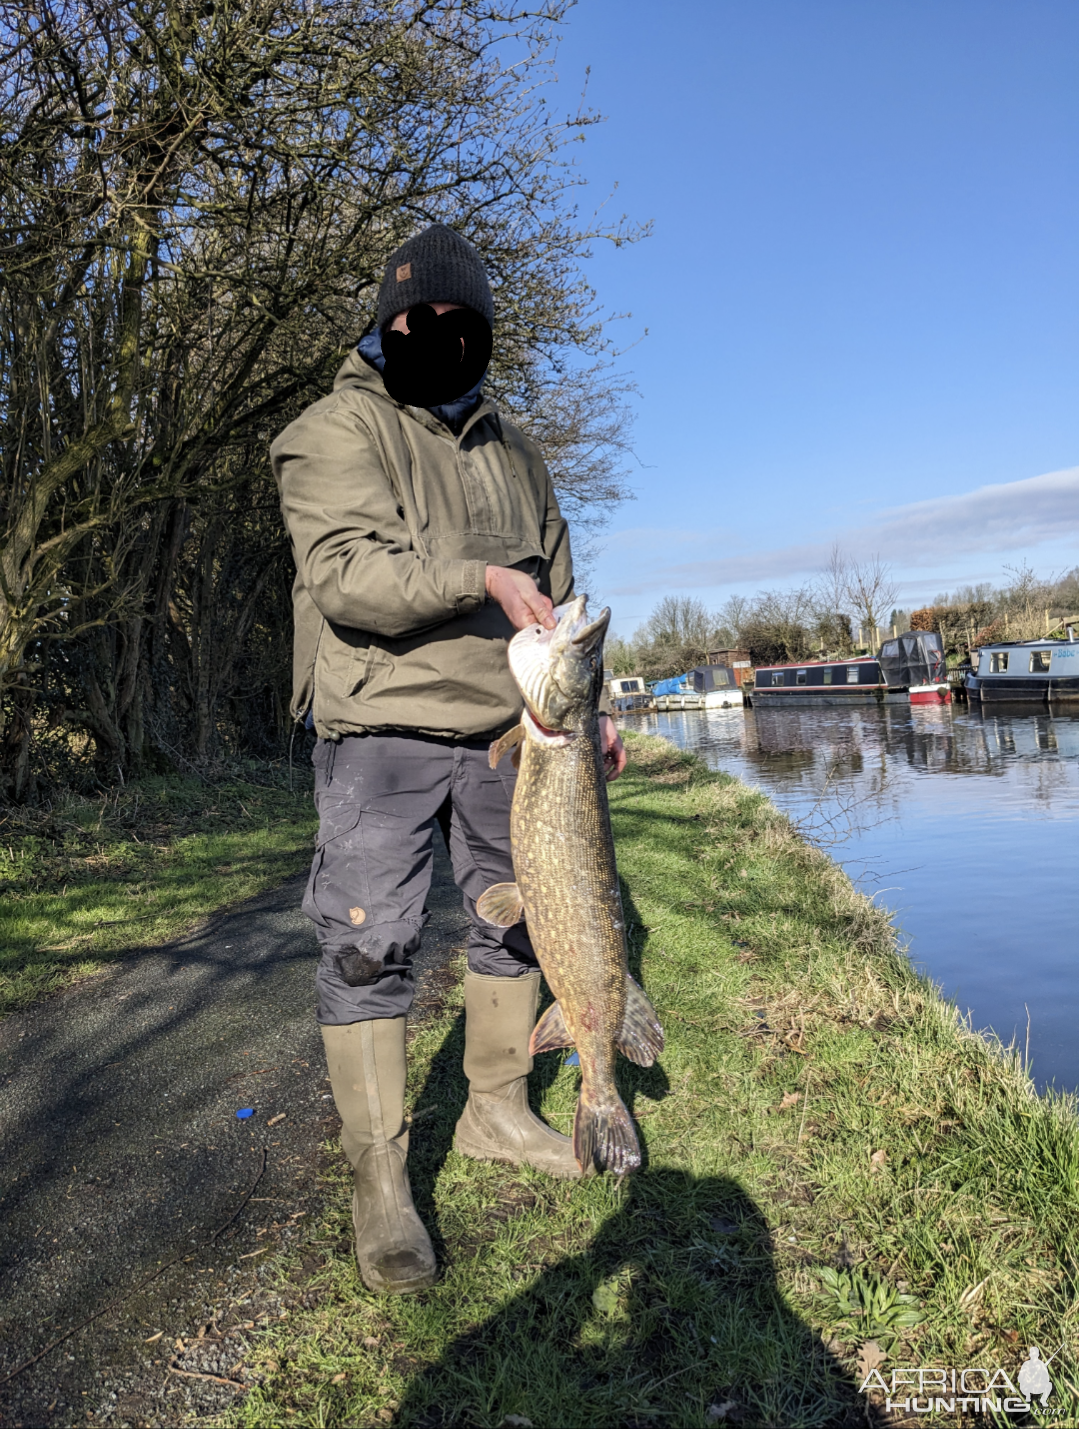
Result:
[563,855]
[567,879]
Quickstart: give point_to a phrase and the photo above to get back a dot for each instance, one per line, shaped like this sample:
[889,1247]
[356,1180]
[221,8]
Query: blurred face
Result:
[435,353]
[400,322]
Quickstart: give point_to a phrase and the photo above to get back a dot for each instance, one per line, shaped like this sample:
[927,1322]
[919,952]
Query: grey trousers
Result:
[378,798]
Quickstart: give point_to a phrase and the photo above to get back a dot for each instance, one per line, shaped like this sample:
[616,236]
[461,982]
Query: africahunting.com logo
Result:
[969,1391]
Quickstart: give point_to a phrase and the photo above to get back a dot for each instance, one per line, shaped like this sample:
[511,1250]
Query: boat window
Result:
[998,663]
[852,674]
[828,676]
[801,677]
[777,677]
[1039,661]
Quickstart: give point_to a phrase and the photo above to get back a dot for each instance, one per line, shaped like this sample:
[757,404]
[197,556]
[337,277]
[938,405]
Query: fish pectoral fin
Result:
[501,905]
[641,1038]
[550,1032]
[502,746]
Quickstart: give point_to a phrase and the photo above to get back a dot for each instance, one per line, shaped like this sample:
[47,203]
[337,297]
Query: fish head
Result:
[559,671]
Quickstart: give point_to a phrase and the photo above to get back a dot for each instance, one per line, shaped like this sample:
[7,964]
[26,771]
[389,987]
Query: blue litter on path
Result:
[245,1112]
[572,1060]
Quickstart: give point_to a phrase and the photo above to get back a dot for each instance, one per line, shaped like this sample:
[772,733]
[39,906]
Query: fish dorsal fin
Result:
[502,746]
[641,1038]
[501,905]
[550,1032]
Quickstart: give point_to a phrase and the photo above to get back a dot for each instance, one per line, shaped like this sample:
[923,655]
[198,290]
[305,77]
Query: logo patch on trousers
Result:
[356,916]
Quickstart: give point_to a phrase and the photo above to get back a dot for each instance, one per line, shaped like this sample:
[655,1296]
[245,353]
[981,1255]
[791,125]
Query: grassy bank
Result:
[91,877]
[837,1171]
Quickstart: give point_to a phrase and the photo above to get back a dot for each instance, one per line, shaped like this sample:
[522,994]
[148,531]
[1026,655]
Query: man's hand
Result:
[520,597]
[614,751]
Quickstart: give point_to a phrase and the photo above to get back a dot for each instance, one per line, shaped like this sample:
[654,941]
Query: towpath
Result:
[123,1162]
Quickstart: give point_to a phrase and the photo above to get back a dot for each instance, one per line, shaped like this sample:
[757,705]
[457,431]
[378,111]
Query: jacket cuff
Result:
[604,700]
[472,586]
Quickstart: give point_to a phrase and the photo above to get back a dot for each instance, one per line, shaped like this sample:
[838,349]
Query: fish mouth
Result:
[557,670]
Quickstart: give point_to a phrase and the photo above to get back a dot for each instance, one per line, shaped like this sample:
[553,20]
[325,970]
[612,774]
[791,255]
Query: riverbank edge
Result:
[841,1175]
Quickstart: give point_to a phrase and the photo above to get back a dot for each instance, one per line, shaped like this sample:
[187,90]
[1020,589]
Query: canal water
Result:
[965,824]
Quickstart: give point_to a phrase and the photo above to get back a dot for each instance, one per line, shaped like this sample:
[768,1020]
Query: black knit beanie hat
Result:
[436,266]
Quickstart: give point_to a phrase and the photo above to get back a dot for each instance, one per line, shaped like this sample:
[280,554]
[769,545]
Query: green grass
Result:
[832,1158]
[91,878]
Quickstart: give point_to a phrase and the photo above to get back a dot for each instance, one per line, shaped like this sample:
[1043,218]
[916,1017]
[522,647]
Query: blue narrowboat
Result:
[1026,672]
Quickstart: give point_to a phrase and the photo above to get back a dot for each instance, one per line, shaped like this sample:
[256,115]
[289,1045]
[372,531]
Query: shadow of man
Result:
[673,1311]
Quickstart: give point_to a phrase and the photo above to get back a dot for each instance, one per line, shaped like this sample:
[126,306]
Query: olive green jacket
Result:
[393,520]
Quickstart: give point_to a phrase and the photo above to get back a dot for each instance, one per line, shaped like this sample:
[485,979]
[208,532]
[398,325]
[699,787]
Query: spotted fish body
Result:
[567,881]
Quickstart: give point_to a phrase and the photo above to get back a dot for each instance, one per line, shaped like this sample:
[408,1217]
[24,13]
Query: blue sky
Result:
[860,292]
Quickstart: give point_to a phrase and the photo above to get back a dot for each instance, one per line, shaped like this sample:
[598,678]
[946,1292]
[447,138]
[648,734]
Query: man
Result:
[425,531]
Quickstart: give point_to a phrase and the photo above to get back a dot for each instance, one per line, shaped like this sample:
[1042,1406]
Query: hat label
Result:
[404,272]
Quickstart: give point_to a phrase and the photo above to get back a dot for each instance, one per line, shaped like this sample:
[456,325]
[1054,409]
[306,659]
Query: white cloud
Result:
[1002,519]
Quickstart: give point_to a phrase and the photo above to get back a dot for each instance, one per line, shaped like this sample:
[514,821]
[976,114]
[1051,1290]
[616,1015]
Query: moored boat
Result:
[629,694]
[717,686]
[915,662]
[677,693]
[1026,672]
[909,668]
[705,687]
[858,681]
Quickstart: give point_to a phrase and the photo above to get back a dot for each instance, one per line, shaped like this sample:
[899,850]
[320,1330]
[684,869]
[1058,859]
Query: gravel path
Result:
[122,1153]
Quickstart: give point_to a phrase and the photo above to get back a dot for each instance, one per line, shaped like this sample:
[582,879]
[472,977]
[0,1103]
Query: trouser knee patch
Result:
[382,952]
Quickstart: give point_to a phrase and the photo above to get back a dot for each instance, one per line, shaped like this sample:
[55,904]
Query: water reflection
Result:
[965,823]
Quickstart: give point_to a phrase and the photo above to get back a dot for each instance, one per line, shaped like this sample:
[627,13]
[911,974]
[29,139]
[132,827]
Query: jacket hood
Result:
[356,372]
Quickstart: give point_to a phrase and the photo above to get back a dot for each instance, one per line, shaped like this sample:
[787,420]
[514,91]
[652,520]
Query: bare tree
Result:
[871,592]
[1026,601]
[196,202]
[831,600]
[675,637]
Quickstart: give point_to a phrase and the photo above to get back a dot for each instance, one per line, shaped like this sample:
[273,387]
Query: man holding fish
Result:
[426,532]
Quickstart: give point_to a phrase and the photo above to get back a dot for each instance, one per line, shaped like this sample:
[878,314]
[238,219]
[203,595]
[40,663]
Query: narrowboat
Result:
[1026,671]
[859,681]
[629,694]
[909,668]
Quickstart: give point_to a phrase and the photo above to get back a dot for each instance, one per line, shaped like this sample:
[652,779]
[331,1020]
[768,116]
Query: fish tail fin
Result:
[604,1136]
[641,1037]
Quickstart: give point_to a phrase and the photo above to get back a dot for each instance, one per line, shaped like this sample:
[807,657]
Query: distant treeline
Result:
[838,614]
[196,204]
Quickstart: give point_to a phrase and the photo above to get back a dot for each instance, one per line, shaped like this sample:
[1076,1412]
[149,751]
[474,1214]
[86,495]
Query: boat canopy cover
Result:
[672,686]
[707,678]
[916,658]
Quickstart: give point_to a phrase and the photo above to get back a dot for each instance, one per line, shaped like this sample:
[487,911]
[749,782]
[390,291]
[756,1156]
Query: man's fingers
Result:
[614,751]
[519,596]
[537,605]
[541,611]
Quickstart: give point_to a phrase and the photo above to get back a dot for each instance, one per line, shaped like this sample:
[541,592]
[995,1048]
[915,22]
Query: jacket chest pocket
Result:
[499,501]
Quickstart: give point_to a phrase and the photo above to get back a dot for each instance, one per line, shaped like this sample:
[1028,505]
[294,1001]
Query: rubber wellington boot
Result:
[367,1075]
[497,1123]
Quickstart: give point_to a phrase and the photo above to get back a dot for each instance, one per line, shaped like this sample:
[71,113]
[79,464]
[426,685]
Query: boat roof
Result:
[805,664]
[670,685]
[1023,644]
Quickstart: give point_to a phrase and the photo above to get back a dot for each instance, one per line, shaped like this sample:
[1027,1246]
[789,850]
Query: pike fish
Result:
[567,884]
